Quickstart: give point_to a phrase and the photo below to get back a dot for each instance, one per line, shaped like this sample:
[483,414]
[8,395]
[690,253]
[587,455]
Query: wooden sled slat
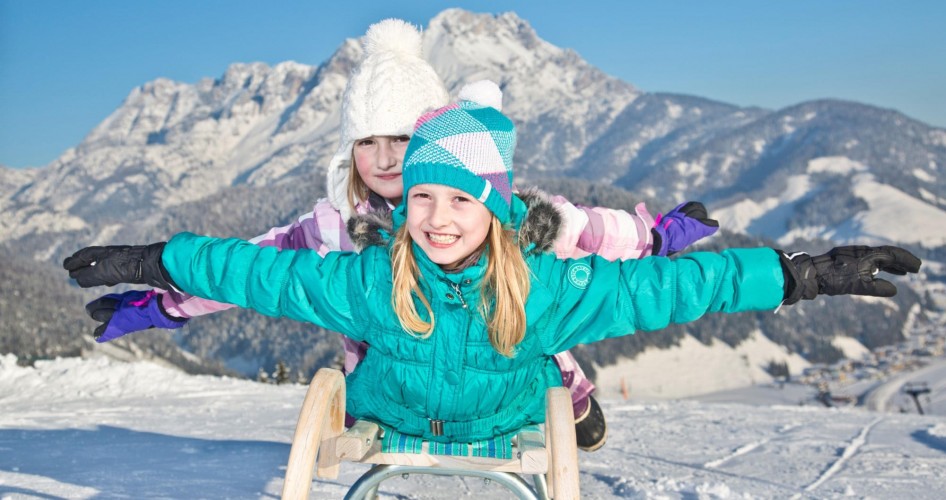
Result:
[319,437]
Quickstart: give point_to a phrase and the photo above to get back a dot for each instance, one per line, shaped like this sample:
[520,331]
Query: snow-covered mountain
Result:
[172,143]
[243,152]
[837,170]
[845,201]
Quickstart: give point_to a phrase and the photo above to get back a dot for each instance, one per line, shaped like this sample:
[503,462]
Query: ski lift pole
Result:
[915,390]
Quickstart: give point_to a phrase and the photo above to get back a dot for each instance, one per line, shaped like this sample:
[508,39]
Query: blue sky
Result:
[66,65]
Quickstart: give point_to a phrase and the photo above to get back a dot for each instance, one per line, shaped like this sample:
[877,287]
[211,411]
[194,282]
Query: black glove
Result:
[141,264]
[845,271]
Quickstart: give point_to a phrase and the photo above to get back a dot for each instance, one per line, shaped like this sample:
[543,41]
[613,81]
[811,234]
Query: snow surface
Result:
[103,429]
[769,217]
[851,348]
[924,225]
[693,368]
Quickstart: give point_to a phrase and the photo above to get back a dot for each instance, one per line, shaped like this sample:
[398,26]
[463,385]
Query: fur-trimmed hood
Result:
[539,227]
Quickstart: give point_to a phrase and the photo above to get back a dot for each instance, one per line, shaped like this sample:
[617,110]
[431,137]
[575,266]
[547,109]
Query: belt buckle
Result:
[436,427]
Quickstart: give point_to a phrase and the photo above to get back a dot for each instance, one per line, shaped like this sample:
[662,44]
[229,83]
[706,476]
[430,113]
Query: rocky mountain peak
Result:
[172,143]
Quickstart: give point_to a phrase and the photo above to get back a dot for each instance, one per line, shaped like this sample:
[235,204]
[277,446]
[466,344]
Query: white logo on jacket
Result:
[579,275]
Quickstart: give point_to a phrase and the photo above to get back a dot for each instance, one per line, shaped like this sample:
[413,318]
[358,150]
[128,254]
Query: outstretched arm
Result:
[619,235]
[132,311]
[322,230]
[591,299]
[297,284]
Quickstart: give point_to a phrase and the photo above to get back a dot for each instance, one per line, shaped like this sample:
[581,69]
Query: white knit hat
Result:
[386,94]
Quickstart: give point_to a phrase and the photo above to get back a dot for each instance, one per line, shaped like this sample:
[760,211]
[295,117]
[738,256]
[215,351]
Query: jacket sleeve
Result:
[592,299]
[322,230]
[611,234]
[298,284]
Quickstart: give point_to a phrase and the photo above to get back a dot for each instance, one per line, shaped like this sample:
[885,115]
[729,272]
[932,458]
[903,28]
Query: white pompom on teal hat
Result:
[468,145]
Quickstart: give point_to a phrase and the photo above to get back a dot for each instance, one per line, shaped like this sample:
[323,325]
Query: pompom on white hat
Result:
[387,92]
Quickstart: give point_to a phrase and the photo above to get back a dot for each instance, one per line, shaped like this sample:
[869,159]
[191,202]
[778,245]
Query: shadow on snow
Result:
[924,437]
[124,462]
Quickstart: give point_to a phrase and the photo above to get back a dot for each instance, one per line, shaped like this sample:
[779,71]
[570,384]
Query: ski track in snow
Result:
[712,471]
[850,451]
[742,450]
[747,448]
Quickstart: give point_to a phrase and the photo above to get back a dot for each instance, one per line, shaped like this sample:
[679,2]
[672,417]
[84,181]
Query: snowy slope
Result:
[694,368]
[105,429]
[891,215]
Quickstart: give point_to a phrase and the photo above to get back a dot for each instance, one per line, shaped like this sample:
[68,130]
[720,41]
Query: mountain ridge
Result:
[237,154]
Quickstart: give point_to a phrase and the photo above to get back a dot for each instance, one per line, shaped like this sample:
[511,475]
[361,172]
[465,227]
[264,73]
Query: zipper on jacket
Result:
[436,426]
[468,321]
[456,290]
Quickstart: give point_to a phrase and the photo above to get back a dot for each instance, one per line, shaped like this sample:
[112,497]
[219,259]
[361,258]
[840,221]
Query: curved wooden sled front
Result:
[551,458]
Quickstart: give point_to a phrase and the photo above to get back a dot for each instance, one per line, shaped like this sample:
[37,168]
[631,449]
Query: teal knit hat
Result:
[467,145]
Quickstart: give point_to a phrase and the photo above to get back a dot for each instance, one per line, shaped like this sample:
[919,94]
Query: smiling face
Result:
[378,161]
[447,223]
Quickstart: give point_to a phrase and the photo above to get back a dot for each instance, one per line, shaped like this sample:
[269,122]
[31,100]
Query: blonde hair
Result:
[357,189]
[505,289]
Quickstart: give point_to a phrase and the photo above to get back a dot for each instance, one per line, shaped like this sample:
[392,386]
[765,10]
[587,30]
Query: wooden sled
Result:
[551,458]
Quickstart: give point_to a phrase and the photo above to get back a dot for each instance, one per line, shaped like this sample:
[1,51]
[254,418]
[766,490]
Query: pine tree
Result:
[778,370]
[281,375]
[262,376]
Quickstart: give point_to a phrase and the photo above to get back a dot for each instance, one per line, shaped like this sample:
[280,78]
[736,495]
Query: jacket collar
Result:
[535,218]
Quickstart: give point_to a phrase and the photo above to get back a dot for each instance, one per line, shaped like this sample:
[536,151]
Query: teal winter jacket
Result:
[454,375]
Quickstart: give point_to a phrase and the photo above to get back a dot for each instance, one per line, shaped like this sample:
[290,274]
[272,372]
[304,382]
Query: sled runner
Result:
[320,444]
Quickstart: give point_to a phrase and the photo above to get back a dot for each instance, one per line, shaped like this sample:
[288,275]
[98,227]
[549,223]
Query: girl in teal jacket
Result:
[457,295]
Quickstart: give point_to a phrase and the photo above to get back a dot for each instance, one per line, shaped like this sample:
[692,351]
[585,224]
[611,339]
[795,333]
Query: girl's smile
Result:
[447,223]
[442,240]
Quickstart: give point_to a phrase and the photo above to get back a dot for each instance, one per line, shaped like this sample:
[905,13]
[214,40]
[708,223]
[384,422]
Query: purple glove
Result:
[124,313]
[681,227]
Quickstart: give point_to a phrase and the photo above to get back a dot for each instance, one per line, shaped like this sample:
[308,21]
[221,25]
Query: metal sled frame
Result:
[320,444]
